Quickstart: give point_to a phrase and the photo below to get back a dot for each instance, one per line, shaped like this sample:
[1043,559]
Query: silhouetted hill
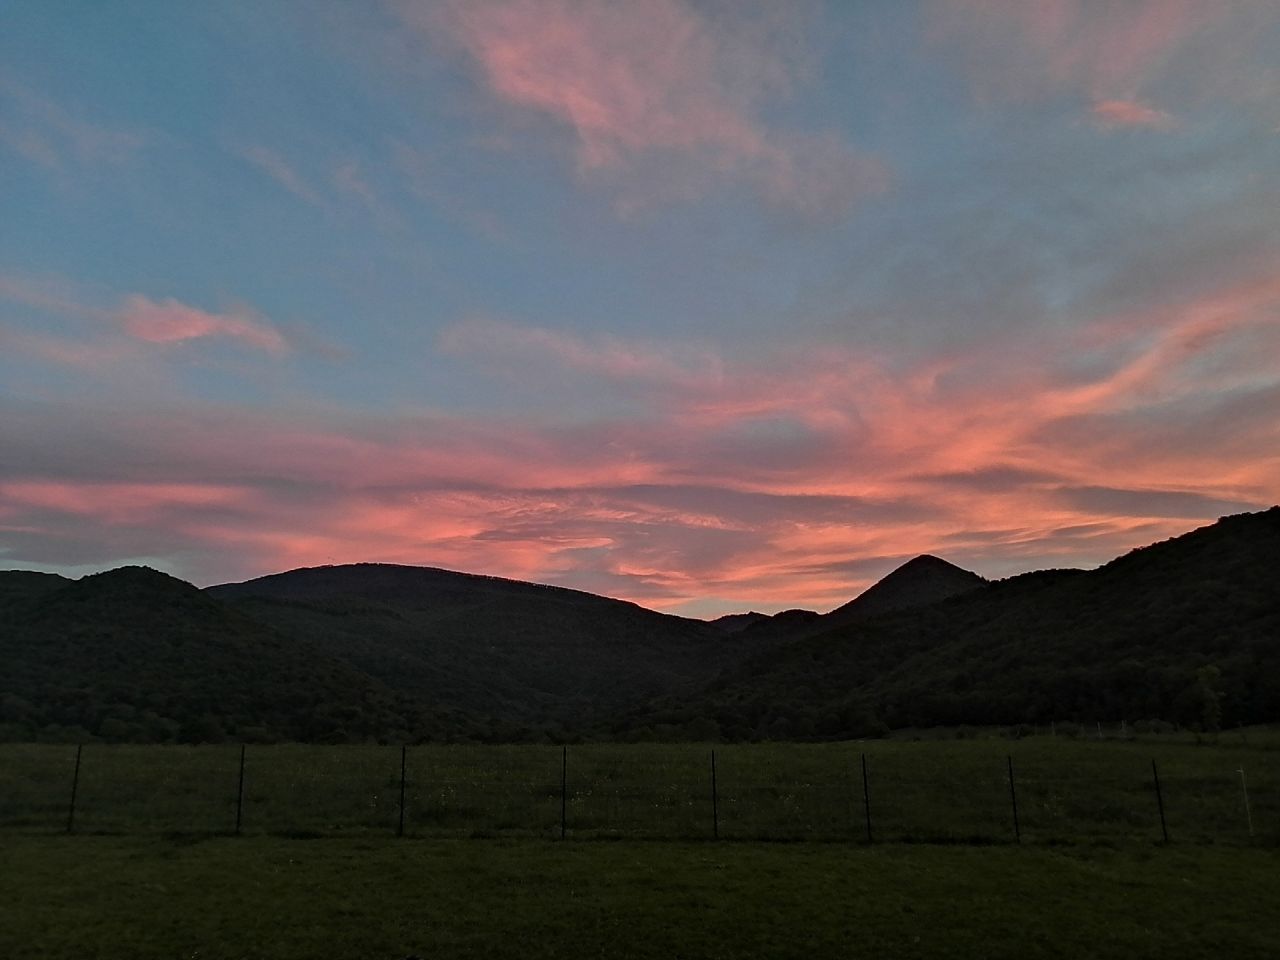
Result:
[20,585]
[1130,640]
[734,622]
[134,654]
[1185,630]
[535,656]
[423,588]
[918,582]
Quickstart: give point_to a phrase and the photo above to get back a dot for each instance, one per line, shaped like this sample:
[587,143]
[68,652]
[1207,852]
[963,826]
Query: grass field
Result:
[1068,791]
[272,898]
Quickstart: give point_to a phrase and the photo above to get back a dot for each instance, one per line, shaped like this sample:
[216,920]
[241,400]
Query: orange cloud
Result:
[631,80]
[170,321]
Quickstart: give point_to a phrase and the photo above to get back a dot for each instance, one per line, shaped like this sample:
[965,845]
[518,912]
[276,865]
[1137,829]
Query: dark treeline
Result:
[1186,631]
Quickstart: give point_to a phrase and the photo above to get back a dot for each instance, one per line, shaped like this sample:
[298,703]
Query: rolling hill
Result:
[531,655]
[134,654]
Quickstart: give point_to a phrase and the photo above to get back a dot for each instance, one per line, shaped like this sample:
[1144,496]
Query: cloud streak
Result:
[170,321]
[137,317]
[281,171]
[57,137]
[1112,114]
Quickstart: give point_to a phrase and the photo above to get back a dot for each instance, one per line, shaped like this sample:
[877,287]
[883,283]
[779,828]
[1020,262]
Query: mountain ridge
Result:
[383,651]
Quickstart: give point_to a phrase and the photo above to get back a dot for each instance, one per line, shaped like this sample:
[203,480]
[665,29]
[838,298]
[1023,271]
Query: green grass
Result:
[949,791]
[272,898]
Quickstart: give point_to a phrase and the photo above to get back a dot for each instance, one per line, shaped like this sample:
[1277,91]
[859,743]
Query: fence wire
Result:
[1060,792]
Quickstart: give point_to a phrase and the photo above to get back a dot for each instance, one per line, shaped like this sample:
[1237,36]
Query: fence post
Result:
[866,797]
[1155,774]
[1013,799]
[1244,787]
[400,827]
[75,783]
[240,792]
[715,801]
[564,790]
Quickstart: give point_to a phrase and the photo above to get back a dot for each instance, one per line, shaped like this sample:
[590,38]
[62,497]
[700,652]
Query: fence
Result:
[977,792]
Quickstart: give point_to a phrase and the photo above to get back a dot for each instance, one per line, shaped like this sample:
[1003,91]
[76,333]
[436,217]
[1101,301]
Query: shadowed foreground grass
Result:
[136,898]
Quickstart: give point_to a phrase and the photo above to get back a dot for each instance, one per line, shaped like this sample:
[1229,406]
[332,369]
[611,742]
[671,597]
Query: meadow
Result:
[153,869]
[1068,791]
[274,898]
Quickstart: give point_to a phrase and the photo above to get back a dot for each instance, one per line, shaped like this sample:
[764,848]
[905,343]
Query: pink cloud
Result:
[631,81]
[1111,114]
[170,321]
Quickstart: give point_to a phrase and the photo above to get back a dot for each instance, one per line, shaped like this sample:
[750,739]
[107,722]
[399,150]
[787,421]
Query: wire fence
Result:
[935,793]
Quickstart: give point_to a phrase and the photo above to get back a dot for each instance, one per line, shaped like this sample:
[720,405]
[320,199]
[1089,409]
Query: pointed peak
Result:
[927,561]
[918,582]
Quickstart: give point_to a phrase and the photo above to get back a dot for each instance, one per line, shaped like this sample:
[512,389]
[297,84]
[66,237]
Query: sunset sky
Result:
[712,306]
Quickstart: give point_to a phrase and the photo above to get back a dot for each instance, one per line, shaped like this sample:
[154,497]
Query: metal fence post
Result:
[1244,787]
[1155,774]
[715,801]
[400,827]
[240,792]
[1013,799]
[866,797]
[75,784]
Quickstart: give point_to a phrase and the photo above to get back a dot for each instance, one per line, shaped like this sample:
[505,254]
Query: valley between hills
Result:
[1183,632]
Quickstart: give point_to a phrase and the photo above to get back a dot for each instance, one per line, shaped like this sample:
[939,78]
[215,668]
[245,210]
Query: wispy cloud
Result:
[281,171]
[676,367]
[104,330]
[171,321]
[58,137]
[662,78]
[1116,56]
[47,294]
[351,178]
[1112,114]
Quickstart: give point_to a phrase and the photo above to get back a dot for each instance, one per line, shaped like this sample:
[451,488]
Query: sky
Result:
[711,306]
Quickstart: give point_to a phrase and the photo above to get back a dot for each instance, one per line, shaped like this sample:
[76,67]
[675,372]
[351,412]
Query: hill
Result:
[918,582]
[134,654]
[533,657]
[734,622]
[1187,630]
